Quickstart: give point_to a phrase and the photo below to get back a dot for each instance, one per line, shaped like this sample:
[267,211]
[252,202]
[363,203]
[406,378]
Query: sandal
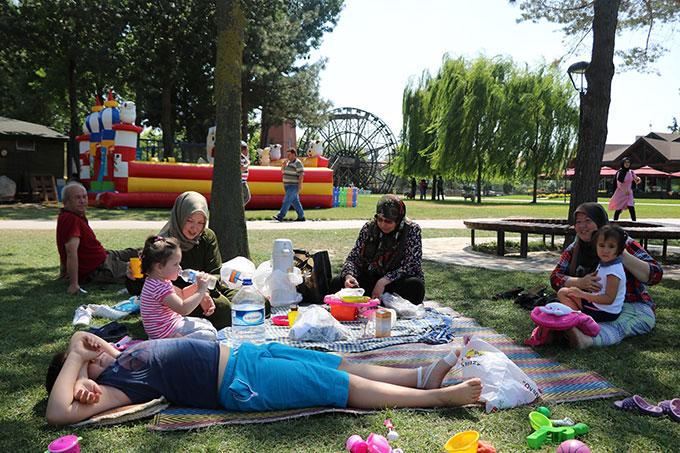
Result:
[638,403]
[671,408]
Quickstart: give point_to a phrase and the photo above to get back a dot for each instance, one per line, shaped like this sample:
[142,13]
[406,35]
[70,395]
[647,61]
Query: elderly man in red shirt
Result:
[82,257]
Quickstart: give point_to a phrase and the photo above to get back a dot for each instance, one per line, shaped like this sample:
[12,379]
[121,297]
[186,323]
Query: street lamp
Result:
[578,69]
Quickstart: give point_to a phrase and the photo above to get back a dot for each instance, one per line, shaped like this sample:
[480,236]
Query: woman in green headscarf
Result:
[200,251]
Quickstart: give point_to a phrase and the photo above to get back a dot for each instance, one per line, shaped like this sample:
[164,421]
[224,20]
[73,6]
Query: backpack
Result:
[316,275]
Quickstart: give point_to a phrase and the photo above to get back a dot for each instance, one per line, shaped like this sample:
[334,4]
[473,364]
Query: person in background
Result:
[440,187]
[623,195]
[423,188]
[245,163]
[82,257]
[387,256]
[293,175]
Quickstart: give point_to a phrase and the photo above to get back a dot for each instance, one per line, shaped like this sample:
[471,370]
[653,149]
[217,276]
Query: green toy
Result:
[545,432]
[544,410]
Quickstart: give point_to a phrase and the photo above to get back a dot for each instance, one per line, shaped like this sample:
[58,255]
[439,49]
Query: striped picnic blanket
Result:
[434,328]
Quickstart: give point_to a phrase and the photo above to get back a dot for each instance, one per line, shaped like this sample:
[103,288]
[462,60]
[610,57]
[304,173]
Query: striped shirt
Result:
[293,171]
[159,320]
[245,163]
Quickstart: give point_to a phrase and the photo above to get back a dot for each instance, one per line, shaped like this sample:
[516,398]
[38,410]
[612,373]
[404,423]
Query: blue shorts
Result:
[274,377]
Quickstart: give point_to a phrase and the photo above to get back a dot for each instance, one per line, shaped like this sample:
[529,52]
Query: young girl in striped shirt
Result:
[163,306]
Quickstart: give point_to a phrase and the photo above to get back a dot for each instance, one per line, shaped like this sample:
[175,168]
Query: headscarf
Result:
[185,205]
[584,257]
[382,252]
[621,174]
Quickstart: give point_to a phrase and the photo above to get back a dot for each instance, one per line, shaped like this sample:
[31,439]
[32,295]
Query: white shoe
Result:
[104,311]
[82,316]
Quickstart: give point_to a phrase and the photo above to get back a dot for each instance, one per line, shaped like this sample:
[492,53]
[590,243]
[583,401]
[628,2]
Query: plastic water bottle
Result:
[190,276]
[247,315]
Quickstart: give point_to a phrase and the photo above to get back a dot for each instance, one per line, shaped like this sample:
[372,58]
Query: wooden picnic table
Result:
[642,231]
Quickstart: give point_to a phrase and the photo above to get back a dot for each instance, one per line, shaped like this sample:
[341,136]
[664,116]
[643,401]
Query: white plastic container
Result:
[282,255]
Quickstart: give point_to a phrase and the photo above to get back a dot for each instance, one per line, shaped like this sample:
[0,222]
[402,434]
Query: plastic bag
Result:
[404,308]
[235,270]
[504,384]
[277,286]
[316,324]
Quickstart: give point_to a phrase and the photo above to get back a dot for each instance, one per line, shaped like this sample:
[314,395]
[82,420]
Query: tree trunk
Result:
[226,207]
[264,128]
[479,179]
[168,118]
[535,199]
[72,152]
[594,108]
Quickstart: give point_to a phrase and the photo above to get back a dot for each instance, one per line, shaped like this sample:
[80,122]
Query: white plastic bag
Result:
[504,384]
[277,286]
[235,270]
[404,308]
[316,324]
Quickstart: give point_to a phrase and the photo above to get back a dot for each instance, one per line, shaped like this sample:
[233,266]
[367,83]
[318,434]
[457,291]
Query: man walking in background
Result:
[293,174]
[245,163]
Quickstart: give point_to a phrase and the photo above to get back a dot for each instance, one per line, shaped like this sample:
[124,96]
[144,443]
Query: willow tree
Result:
[546,123]
[226,208]
[478,150]
[418,135]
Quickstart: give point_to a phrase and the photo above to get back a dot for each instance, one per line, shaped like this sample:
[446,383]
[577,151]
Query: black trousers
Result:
[631,210]
[410,288]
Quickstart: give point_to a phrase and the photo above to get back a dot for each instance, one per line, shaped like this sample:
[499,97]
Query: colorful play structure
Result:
[115,178]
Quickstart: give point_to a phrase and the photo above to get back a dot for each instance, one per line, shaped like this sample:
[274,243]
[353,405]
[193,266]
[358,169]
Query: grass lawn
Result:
[517,206]
[36,323]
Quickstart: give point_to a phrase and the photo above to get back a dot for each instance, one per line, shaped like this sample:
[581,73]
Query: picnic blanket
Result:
[434,328]
[557,382]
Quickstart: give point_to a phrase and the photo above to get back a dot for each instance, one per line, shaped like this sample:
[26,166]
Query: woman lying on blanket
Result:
[92,377]
[387,256]
[577,266]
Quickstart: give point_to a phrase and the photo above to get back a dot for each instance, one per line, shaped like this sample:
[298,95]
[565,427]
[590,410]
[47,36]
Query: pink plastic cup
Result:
[65,444]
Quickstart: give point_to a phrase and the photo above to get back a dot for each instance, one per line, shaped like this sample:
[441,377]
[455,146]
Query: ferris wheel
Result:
[359,146]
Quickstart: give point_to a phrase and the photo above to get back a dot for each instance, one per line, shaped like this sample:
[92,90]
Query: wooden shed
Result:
[29,149]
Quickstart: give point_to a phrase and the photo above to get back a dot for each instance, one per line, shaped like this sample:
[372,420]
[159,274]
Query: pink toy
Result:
[375,443]
[547,322]
[65,444]
[392,434]
[573,446]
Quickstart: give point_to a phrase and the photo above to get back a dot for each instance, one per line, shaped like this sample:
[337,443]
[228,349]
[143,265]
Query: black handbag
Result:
[316,275]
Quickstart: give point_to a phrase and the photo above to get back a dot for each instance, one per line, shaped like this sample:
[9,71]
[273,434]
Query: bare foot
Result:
[467,392]
[438,373]
[578,340]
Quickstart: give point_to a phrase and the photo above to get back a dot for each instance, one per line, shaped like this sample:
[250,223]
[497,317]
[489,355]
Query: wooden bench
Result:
[44,187]
[557,227]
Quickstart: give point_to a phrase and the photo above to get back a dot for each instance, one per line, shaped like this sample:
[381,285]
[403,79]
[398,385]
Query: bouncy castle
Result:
[114,177]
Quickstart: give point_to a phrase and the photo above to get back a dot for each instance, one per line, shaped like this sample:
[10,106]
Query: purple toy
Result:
[546,322]
[573,446]
[65,444]
[375,443]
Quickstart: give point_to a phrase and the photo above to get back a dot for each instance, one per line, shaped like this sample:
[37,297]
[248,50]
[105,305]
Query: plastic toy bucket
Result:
[343,312]
[65,444]
[538,420]
[464,442]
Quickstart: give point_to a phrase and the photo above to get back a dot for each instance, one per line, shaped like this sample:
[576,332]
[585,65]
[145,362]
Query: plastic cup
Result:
[136,267]
[538,421]
[464,442]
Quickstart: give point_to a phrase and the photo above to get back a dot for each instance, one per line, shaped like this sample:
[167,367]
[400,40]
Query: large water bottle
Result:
[190,276]
[247,315]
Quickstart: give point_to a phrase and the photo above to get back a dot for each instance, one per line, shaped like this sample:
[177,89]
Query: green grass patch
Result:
[510,206]
[36,322]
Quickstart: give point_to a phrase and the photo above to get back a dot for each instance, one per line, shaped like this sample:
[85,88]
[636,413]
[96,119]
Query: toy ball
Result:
[573,446]
[356,444]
